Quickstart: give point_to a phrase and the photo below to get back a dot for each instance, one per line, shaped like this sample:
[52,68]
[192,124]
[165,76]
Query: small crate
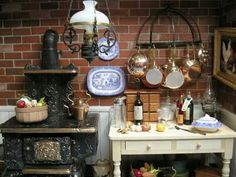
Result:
[207,172]
[151,102]
[33,114]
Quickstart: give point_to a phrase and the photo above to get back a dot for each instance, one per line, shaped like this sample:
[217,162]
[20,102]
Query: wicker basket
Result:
[30,115]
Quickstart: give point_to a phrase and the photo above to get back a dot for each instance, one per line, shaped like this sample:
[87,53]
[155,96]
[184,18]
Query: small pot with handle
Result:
[154,75]
[192,68]
[173,76]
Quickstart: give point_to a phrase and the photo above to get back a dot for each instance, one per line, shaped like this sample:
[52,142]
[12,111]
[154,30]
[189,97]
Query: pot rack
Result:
[170,11]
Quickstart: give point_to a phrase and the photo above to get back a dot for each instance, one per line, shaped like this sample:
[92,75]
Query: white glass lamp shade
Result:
[85,19]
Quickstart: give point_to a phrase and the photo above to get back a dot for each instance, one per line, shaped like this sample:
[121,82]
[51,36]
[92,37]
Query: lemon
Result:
[160,127]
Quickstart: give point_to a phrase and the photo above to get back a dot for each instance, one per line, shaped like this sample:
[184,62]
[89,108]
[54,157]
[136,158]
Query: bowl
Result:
[207,124]
[31,115]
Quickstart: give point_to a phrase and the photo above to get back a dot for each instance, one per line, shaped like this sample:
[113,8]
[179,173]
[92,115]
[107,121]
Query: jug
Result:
[119,113]
[102,168]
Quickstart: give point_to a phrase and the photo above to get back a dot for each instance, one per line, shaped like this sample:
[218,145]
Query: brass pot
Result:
[138,65]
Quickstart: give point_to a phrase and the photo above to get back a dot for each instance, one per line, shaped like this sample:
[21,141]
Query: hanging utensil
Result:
[154,75]
[203,54]
[174,77]
[138,64]
[191,67]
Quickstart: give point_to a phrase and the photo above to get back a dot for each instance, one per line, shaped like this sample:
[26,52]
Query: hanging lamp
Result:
[91,21]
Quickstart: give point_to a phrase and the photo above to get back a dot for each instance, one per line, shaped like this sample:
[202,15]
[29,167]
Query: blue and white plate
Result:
[112,53]
[106,81]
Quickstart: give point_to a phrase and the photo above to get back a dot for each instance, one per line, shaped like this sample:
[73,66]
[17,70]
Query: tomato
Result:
[20,104]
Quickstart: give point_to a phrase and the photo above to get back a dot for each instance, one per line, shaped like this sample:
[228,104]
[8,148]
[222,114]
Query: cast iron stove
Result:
[54,147]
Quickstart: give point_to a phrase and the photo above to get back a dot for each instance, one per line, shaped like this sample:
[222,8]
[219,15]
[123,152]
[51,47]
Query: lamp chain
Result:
[70,7]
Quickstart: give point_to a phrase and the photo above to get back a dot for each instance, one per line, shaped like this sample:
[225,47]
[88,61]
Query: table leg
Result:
[227,156]
[116,172]
[226,168]
[116,157]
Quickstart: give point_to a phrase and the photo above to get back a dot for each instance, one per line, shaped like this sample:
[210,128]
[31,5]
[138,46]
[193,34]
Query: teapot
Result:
[102,168]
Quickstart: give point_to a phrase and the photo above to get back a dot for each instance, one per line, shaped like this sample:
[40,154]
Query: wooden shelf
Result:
[51,71]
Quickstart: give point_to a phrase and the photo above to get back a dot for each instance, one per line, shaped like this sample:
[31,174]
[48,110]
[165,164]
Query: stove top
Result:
[53,124]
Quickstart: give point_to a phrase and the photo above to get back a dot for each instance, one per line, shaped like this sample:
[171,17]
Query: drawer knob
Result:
[149,147]
[198,146]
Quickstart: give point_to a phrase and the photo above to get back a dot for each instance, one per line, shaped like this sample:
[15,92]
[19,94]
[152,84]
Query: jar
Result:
[119,113]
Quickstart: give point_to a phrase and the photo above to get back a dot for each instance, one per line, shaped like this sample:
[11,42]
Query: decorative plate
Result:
[106,81]
[112,53]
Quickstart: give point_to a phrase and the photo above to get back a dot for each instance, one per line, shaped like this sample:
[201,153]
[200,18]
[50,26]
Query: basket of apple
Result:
[30,110]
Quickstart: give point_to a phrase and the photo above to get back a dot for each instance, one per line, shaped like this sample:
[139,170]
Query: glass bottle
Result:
[138,109]
[197,104]
[209,99]
[179,112]
[188,109]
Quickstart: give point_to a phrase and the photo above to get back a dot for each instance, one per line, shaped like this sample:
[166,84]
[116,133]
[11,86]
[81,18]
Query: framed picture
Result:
[224,68]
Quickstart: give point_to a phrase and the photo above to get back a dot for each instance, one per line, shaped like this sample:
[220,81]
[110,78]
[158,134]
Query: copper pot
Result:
[192,68]
[173,76]
[154,76]
[138,65]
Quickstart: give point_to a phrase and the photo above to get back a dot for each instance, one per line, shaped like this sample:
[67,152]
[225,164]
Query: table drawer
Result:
[147,145]
[194,145]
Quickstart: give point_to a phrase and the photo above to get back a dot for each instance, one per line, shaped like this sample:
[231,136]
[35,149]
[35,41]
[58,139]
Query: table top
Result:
[55,124]
[170,133]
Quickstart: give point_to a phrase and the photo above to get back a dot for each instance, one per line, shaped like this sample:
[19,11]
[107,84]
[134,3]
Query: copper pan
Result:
[154,75]
[192,68]
[173,76]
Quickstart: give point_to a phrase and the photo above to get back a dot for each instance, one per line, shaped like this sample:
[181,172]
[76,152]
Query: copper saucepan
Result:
[192,68]
[173,76]
[154,74]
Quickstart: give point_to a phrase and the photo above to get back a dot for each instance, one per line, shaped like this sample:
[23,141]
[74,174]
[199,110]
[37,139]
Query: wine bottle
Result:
[180,113]
[138,109]
[187,108]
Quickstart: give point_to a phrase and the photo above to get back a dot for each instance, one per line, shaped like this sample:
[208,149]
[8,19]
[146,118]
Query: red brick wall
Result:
[23,23]
[225,94]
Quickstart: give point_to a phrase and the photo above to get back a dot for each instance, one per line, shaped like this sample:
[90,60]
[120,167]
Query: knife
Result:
[191,131]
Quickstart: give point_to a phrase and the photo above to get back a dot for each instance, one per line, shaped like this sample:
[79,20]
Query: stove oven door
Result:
[47,150]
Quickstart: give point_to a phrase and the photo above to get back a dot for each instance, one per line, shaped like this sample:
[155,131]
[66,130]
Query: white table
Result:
[172,141]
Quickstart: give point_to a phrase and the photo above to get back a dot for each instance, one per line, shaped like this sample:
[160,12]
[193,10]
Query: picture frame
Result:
[224,66]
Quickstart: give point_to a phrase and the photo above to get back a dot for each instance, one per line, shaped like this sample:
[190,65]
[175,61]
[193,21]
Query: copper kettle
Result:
[81,109]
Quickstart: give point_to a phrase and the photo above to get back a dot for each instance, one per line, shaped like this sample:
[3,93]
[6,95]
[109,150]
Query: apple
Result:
[20,104]
[137,172]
